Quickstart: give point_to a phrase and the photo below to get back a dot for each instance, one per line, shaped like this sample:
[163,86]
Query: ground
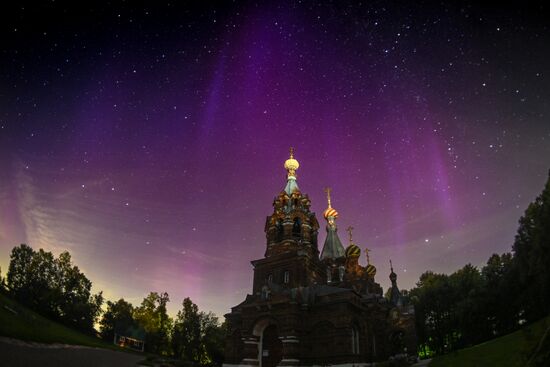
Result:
[28,339]
[422,363]
[512,350]
[16,353]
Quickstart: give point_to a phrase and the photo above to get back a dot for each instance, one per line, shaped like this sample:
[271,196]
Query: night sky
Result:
[149,140]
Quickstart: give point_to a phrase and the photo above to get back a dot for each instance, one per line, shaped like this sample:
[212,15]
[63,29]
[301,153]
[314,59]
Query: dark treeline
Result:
[53,287]
[473,305]
[57,289]
[193,336]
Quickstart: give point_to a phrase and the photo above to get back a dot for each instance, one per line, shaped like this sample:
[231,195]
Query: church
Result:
[311,308]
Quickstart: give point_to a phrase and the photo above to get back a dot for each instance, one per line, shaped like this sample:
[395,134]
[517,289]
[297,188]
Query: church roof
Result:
[332,249]
[291,185]
[395,295]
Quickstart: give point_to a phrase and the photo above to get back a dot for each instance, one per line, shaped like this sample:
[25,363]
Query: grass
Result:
[512,350]
[19,322]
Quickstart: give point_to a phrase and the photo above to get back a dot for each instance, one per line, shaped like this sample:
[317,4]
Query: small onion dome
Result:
[291,164]
[330,212]
[393,276]
[353,251]
[371,270]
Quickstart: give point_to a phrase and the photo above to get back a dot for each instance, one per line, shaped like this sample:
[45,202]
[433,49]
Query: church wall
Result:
[312,321]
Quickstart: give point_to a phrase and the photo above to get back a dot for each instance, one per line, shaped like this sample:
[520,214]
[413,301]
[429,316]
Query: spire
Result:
[352,251]
[328,190]
[393,276]
[367,254]
[330,213]
[291,165]
[395,295]
[350,232]
[332,249]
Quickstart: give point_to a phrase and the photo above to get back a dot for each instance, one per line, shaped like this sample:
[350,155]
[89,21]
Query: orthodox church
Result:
[315,309]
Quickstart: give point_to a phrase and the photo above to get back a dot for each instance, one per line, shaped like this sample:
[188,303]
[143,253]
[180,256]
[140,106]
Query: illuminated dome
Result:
[353,251]
[371,270]
[291,164]
[330,212]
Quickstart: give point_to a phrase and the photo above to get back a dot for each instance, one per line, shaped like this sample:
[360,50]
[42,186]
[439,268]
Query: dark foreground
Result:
[14,353]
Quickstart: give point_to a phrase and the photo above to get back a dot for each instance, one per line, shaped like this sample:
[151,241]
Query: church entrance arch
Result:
[270,347]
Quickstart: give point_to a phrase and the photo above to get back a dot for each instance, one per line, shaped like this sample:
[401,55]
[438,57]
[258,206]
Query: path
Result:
[422,363]
[16,353]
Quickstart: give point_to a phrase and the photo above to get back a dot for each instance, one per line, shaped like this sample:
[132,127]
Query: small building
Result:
[314,308]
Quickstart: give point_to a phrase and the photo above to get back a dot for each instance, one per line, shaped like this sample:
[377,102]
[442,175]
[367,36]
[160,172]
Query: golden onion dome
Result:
[291,164]
[371,270]
[353,251]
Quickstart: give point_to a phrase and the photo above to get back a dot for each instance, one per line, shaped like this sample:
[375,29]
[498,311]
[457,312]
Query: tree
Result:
[197,336]
[19,274]
[500,291]
[118,318]
[154,319]
[532,256]
[53,287]
[78,307]
[214,342]
[186,335]
[469,316]
[433,298]
[2,282]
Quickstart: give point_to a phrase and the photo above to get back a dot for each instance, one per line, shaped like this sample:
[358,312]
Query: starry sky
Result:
[148,139]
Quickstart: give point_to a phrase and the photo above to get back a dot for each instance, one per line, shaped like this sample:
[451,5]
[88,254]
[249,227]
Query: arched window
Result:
[354,340]
[280,232]
[297,228]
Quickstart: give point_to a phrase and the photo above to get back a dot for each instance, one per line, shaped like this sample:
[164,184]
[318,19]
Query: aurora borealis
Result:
[149,140]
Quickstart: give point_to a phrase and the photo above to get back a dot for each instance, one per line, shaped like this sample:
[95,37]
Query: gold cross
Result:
[350,229]
[328,190]
[291,152]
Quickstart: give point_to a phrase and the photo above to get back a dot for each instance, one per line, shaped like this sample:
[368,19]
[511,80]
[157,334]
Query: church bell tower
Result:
[292,255]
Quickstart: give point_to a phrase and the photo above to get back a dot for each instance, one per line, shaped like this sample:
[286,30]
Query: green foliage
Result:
[532,256]
[186,335]
[53,287]
[118,318]
[214,342]
[472,306]
[461,309]
[197,337]
[500,293]
[154,319]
